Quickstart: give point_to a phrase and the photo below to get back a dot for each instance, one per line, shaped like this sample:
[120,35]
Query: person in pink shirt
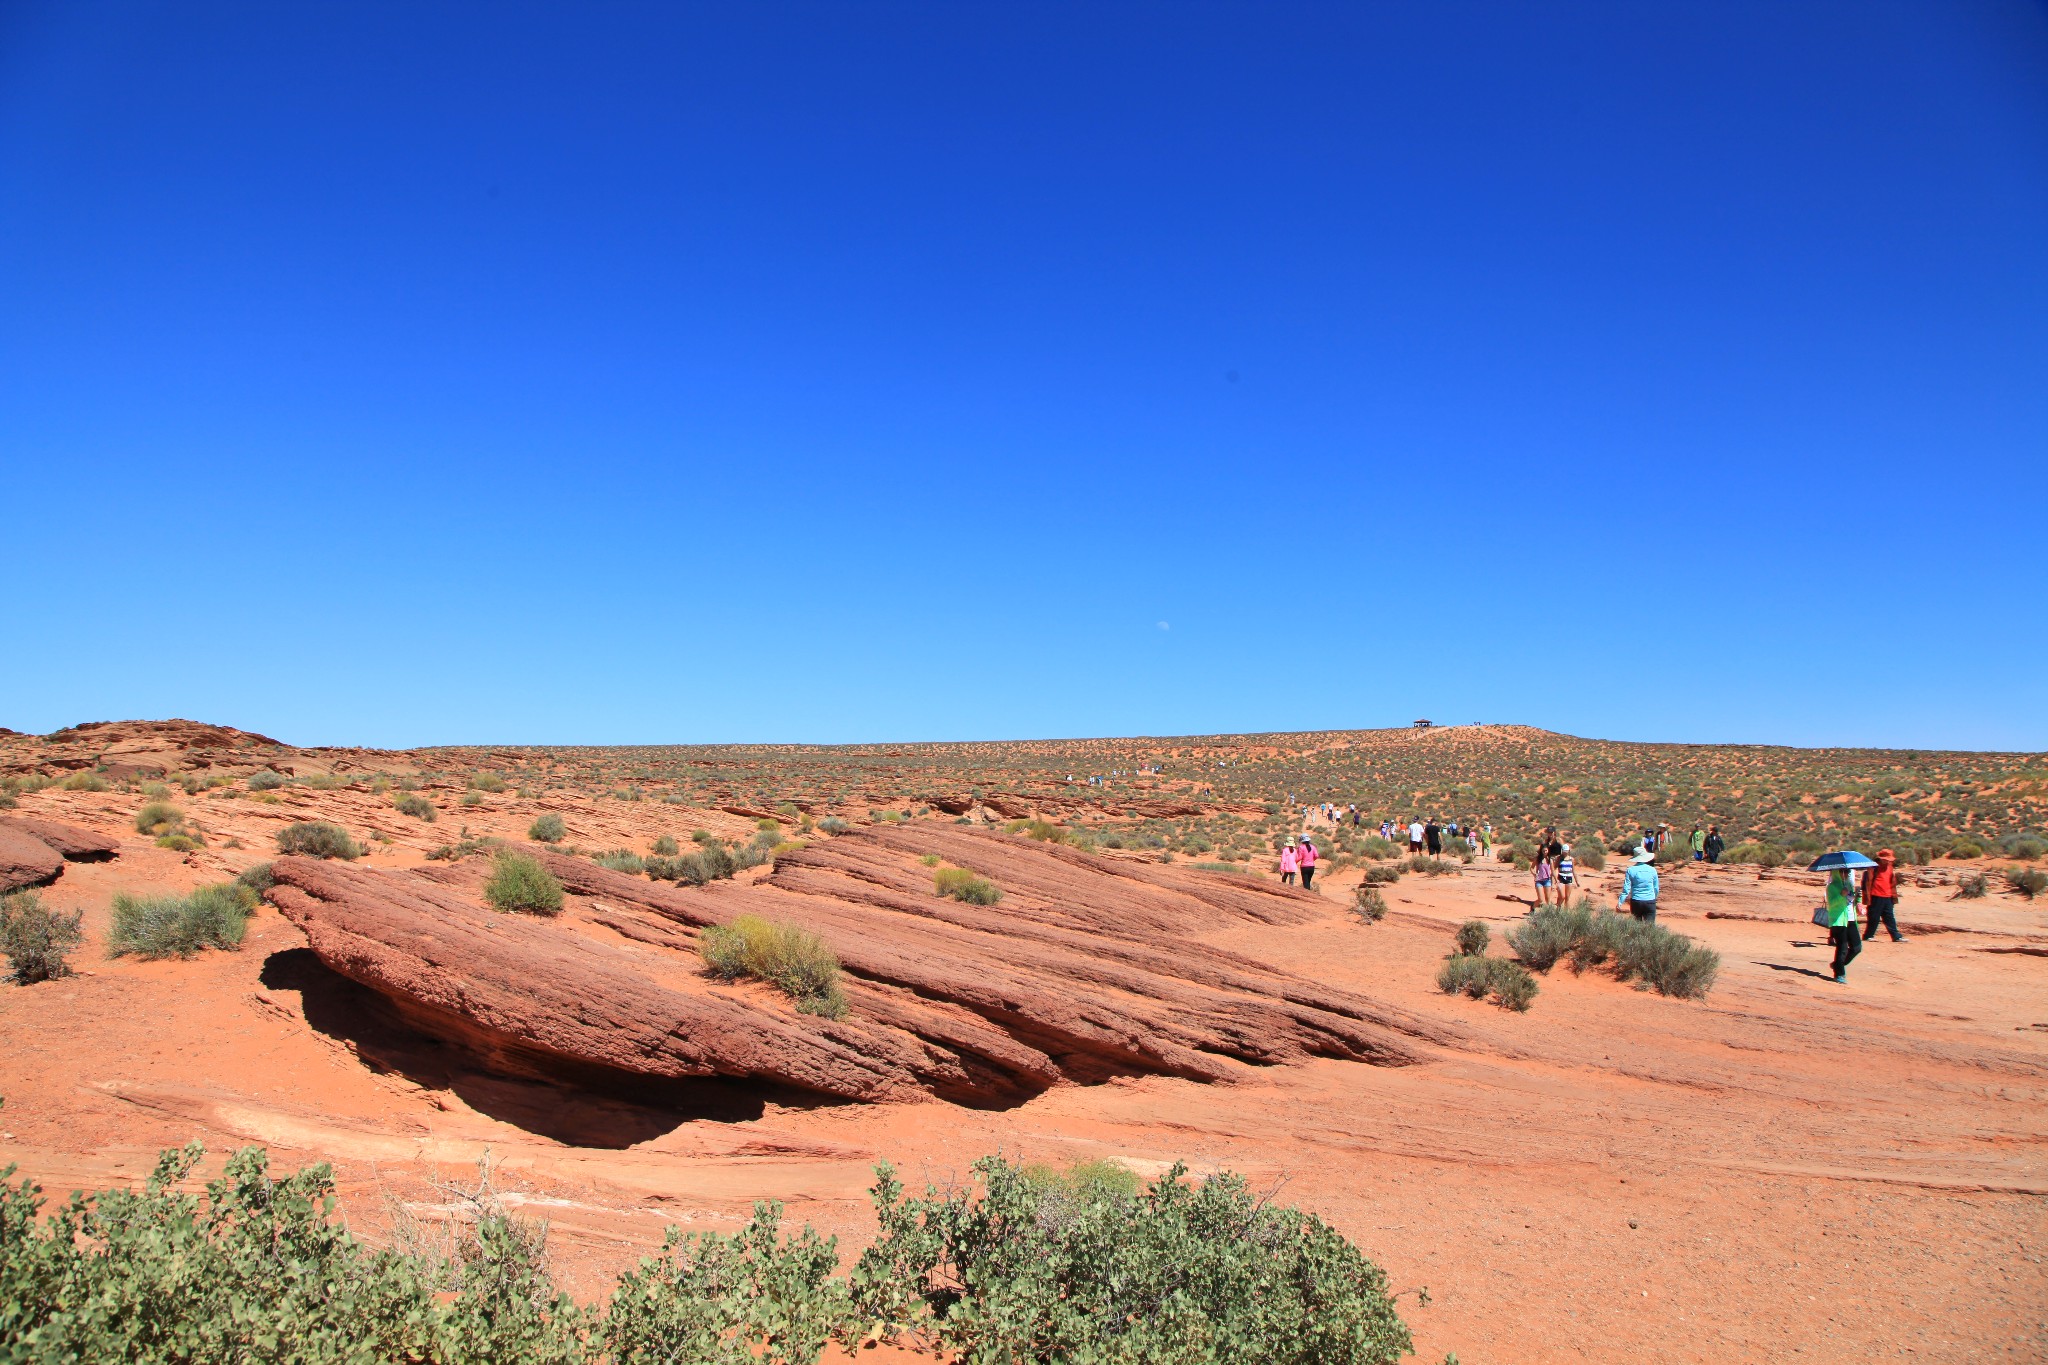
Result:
[1288,864]
[1306,861]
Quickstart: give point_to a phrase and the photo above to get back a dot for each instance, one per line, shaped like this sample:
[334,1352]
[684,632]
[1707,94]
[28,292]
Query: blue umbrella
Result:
[1828,862]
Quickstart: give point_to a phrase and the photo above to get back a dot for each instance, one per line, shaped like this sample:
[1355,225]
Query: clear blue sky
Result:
[417,373]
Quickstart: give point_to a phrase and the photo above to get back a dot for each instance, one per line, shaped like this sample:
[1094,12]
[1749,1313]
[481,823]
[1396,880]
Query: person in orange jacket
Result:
[1880,896]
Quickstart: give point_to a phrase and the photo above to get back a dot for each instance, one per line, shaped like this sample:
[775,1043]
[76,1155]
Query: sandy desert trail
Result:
[1789,1171]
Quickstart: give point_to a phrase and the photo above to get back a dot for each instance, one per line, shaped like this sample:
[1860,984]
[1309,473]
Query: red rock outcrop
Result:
[72,842]
[1087,969]
[26,860]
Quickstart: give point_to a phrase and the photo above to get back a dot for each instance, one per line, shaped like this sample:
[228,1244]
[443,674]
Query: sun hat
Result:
[1644,856]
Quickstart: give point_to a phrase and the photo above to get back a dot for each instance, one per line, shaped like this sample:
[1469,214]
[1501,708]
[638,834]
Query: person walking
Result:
[1714,844]
[1542,872]
[1842,922]
[1433,838]
[1880,892]
[1567,876]
[1639,887]
[1306,861]
[1290,862]
[1415,836]
[1699,844]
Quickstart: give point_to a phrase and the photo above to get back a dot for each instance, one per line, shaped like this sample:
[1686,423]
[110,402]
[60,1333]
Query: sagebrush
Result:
[168,925]
[37,941]
[794,960]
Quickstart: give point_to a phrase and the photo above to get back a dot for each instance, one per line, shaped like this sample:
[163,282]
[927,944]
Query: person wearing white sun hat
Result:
[1639,887]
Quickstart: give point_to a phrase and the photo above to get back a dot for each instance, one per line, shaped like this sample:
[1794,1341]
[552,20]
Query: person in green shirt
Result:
[1699,844]
[1842,922]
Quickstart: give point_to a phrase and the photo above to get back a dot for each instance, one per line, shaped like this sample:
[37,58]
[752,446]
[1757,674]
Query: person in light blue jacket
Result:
[1639,888]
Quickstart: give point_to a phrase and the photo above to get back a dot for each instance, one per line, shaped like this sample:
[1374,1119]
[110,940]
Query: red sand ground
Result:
[1790,1170]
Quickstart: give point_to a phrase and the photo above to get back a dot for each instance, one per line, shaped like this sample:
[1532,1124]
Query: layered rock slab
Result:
[1086,970]
[70,842]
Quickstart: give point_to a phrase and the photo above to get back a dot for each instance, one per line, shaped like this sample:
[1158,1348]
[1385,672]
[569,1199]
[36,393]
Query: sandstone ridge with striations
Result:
[1089,968]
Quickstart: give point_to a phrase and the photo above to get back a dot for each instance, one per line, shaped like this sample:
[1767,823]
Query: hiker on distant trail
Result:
[1415,836]
[1639,887]
[1715,843]
[1306,860]
[1880,893]
[1842,922]
[1699,844]
[1433,836]
[1567,875]
[1289,864]
[1542,871]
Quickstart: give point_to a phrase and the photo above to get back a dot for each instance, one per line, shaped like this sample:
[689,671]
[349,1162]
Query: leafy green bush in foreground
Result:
[1034,1270]
[1038,1266]
[161,926]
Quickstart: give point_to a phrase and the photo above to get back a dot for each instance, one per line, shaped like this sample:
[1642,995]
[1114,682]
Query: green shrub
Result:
[666,846]
[257,877]
[1369,903]
[2027,881]
[156,790]
[1549,934]
[1040,1265]
[38,943]
[963,885]
[793,960]
[160,926]
[2025,847]
[487,782]
[1430,867]
[1026,1270]
[621,860]
[1473,936]
[711,861]
[1592,856]
[1373,846]
[265,780]
[1673,854]
[547,829]
[832,824]
[1383,874]
[1966,848]
[85,782]
[1463,973]
[1591,936]
[1508,983]
[751,1297]
[181,842]
[416,806]
[1457,846]
[159,817]
[1973,887]
[1045,831]
[318,839]
[471,799]
[519,883]
[1760,855]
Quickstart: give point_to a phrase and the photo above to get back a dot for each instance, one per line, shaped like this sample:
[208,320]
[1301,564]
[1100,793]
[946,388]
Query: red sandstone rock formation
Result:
[73,843]
[1087,969]
[26,860]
